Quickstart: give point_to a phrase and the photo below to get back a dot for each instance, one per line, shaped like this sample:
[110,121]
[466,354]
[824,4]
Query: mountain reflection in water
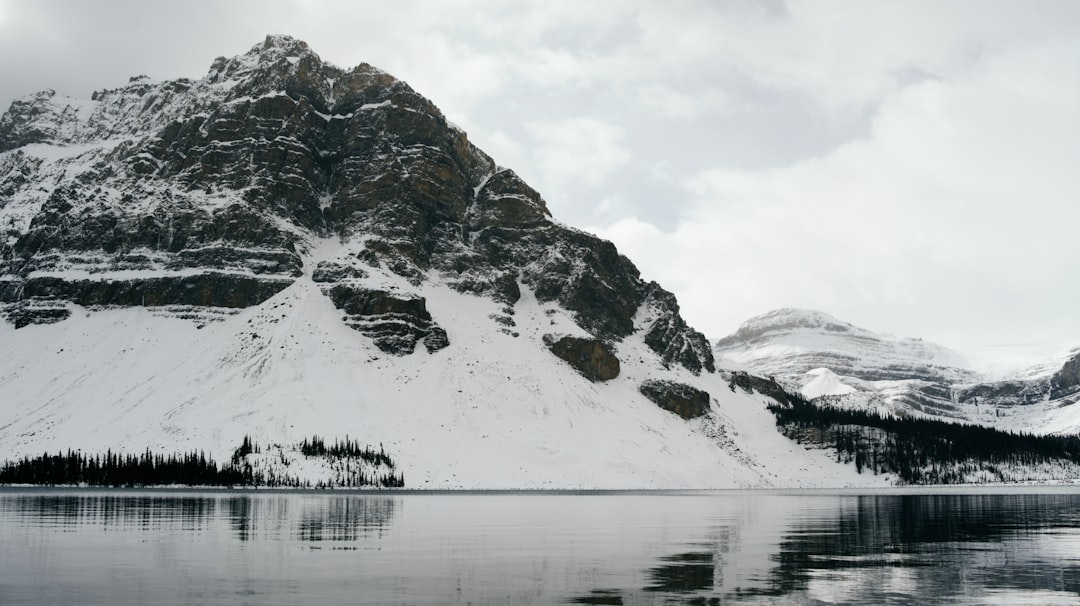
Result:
[231,547]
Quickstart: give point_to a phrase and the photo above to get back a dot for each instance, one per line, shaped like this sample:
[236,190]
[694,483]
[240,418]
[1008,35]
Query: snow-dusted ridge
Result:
[794,333]
[833,361]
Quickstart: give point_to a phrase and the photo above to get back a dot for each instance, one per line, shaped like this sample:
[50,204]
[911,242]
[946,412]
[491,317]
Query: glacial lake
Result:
[967,546]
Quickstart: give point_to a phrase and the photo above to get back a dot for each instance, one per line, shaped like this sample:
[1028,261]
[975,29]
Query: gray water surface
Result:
[176,547]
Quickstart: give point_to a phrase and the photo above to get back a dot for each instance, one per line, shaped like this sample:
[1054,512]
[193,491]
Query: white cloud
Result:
[844,53]
[507,151]
[956,211]
[673,103]
[582,150]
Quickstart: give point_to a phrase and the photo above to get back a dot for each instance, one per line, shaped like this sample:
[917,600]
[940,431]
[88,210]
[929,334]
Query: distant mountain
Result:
[832,361]
[794,341]
[284,248]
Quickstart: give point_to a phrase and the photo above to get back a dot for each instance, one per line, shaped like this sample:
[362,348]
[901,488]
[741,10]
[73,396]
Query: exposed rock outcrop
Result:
[1066,382]
[686,401]
[395,322]
[672,339]
[590,357]
[207,289]
[763,385]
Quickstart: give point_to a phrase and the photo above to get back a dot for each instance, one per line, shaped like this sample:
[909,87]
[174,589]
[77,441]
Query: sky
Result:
[909,167]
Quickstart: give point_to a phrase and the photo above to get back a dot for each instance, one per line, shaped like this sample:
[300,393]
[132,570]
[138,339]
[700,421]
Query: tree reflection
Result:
[883,549]
[600,596]
[683,573]
[112,510]
[250,516]
[346,518]
[322,518]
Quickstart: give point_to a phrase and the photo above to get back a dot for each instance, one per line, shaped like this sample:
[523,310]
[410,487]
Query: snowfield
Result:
[490,411]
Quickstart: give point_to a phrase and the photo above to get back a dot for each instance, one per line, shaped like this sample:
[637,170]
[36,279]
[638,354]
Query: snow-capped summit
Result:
[792,341]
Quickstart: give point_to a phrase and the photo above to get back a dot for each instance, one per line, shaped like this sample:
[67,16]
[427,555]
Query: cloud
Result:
[582,150]
[954,213]
[673,103]
[843,54]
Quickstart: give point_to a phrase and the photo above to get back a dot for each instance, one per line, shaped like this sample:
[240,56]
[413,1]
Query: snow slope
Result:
[491,411]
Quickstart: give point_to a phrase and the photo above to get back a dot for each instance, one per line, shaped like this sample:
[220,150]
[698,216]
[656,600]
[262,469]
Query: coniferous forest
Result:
[924,451]
[316,447]
[346,464]
[113,469]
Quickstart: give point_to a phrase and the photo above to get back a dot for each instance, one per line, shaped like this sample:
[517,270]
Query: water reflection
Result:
[906,549]
[683,573]
[159,547]
[250,516]
[884,548]
[115,511]
[346,519]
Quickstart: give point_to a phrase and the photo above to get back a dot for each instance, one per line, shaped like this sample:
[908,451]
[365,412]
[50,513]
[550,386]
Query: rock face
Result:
[686,401]
[208,192]
[394,322]
[590,357]
[670,337]
[1056,384]
[763,385]
[207,289]
[1065,384]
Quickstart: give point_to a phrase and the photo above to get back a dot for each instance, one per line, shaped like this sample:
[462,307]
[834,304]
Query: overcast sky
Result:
[911,167]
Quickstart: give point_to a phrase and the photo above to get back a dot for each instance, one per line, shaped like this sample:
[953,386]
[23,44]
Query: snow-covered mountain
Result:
[831,360]
[285,248]
[787,341]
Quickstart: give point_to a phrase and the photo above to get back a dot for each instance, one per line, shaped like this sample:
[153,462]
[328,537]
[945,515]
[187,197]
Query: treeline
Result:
[345,459]
[117,470]
[919,451]
[316,447]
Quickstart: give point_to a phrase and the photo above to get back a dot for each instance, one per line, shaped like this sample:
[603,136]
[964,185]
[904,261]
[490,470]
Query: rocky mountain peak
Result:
[217,193]
[278,64]
[273,50]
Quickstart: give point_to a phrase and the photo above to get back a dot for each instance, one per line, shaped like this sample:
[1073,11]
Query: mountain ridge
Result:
[828,359]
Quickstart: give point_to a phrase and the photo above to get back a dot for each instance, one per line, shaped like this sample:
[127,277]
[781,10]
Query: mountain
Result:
[829,360]
[285,248]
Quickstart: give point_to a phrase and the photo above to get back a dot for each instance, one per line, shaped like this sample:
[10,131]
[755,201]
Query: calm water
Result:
[168,547]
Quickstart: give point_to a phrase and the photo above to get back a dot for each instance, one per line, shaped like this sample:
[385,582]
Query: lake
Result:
[69,546]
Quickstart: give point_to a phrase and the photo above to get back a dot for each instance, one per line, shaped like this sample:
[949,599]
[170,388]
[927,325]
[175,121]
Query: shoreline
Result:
[907,490]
